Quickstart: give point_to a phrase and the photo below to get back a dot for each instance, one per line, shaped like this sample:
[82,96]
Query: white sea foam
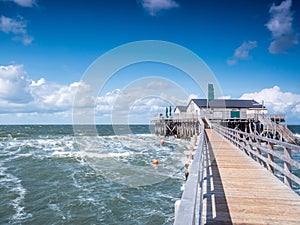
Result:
[145,135]
[20,211]
[14,185]
[84,197]
[58,153]
[83,154]
[57,210]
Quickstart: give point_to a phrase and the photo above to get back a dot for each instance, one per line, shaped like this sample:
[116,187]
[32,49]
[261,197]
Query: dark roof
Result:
[227,103]
[181,108]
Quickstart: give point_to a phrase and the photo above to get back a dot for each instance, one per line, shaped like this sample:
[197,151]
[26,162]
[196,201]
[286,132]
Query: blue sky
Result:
[46,46]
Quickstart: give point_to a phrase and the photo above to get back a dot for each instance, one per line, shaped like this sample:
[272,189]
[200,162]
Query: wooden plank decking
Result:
[237,190]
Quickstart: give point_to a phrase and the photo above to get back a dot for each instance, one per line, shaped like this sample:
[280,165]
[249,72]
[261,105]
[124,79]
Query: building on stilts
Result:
[244,115]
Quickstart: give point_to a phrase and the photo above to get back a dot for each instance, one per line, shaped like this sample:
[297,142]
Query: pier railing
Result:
[190,206]
[276,156]
[223,115]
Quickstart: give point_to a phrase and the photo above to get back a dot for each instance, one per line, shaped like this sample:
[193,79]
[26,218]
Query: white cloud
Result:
[16,27]
[242,52]
[106,102]
[25,3]
[225,97]
[45,101]
[277,101]
[14,84]
[58,97]
[155,6]
[280,24]
[192,96]
[42,101]
[150,105]
[19,94]
[38,83]
[140,101]
[9,25]
[145,109]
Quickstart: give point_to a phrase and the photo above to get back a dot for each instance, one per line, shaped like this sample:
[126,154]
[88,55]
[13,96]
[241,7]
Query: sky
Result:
[47,48]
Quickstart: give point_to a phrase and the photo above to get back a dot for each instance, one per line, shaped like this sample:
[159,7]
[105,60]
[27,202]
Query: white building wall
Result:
[192,109]
[177,111]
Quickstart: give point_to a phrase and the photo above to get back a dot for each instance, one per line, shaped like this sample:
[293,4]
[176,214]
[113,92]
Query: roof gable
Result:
[181,108]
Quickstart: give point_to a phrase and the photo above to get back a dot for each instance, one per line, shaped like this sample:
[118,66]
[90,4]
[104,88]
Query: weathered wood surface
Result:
[237,190]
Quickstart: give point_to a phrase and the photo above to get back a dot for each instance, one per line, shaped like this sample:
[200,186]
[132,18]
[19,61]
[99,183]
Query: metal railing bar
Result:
[187,210]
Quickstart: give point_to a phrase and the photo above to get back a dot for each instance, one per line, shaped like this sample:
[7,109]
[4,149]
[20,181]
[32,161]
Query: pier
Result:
[238,190]
[237,176]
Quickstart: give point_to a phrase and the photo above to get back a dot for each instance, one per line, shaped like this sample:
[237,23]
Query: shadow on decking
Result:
[216,210]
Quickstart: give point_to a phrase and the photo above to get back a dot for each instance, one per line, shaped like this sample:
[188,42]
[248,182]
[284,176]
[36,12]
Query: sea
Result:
[50,174]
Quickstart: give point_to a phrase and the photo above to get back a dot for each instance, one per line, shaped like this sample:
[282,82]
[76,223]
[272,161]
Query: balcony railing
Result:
[221,115]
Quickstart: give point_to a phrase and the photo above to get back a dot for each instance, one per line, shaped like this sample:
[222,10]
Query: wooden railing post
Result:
[258,141]
[245,145]
[270,157]
[287,166]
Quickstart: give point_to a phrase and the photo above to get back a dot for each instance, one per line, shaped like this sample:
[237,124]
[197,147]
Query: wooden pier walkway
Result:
[237,190]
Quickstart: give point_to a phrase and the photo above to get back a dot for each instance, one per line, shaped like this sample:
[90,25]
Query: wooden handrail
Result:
[191,201]
[262,150]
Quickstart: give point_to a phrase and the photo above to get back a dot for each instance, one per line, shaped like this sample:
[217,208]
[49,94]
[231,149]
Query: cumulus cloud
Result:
[242,52]
[19,94]
[41,99]
[280,24]
[150,105]
[14,84]
[153,7]
[38,83]
[52,96]
[145,109]
[277,101]
[17,27]
[140,100]
[106,102]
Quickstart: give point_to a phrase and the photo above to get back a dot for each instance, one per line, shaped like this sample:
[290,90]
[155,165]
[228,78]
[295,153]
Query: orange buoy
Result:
[155,161]
[162,142]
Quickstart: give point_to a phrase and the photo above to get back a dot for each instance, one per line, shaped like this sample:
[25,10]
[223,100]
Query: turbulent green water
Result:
[45,178]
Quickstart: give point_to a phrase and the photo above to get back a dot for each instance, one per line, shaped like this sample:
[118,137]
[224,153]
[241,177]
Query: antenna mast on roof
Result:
[211,92]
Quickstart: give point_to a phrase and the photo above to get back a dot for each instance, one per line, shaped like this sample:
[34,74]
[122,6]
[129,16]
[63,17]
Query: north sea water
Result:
[46,177]
[49,176]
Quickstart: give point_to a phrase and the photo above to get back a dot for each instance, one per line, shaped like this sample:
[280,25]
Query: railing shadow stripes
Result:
[217,211]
